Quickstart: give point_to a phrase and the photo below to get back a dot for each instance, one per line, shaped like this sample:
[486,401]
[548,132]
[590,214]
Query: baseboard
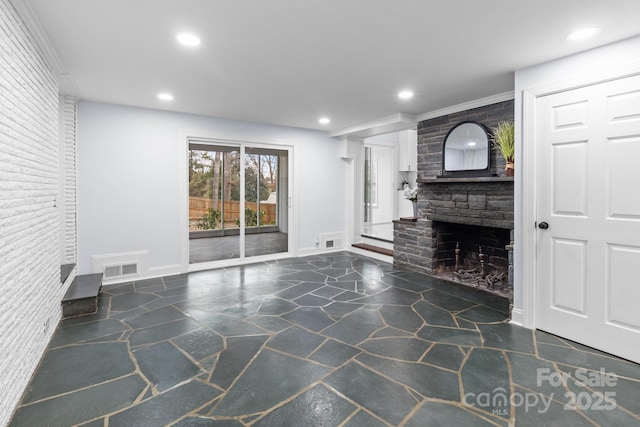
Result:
[302,252]
[517,317]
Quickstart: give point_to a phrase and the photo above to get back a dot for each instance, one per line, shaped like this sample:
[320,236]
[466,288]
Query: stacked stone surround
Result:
[431,134]
[30,288]
[482,201]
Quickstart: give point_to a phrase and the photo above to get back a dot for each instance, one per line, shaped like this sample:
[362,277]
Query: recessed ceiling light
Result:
[188,39]
[324,120]
[165,96]
[405,94]
[471,144]
[583,33]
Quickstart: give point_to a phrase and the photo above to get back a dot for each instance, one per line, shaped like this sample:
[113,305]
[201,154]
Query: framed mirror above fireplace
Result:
[466,150]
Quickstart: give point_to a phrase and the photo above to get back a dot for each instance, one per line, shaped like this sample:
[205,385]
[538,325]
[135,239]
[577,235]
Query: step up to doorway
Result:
[82,296]
[372,248]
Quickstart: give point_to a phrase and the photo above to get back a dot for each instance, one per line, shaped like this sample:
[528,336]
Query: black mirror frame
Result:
[468,172]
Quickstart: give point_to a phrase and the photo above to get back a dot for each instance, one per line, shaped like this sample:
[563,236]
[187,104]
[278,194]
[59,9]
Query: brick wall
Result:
[68,179]
[30,289]
[431,134]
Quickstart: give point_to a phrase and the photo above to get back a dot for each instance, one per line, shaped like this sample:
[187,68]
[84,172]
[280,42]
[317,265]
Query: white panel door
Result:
[588,193]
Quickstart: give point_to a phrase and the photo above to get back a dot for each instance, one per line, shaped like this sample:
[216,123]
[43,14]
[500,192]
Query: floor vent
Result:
[120,270]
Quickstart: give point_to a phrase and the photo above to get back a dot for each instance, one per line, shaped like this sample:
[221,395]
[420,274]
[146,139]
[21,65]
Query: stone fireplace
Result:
[475,213]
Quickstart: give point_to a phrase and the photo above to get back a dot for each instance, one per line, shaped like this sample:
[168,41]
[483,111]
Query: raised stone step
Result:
[372,248]
[82,296]
[65,271]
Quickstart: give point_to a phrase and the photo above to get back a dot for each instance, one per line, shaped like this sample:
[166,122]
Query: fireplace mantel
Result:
[467,179]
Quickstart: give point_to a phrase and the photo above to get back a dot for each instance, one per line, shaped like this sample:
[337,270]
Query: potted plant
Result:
[503,140]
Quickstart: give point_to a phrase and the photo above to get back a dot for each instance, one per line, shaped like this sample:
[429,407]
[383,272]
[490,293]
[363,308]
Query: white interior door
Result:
[588,192]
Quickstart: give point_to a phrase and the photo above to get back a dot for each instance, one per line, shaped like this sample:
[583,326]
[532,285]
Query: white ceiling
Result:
[288,62]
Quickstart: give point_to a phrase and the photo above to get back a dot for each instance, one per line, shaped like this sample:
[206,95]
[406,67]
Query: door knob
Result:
[543,225]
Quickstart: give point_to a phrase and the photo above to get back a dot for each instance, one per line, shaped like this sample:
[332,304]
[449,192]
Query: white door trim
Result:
[183,203]
[525,182]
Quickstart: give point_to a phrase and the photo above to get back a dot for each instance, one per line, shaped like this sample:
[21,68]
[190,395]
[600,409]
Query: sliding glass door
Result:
[229,219]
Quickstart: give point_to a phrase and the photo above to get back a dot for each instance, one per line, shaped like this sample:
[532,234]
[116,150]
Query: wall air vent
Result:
[120,270]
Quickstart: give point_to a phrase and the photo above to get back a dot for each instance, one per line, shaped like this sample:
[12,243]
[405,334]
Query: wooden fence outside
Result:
[199,207]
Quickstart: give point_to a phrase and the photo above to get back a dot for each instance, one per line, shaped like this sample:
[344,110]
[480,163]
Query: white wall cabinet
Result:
[408,150]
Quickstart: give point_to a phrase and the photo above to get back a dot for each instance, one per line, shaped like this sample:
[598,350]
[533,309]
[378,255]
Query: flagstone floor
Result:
[329,340]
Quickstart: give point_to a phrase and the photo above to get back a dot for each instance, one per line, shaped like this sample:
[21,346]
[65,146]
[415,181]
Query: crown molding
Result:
[493,99]
[392,123]
[66,84]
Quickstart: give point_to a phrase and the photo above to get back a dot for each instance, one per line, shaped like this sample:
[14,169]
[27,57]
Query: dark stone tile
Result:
[148,283]
[95,423]
[391,296]
[107,338]
[243,309]
[345,285]
[390,332]
[226,326]
[401,317]
[546,338]
[119,289]
[364,419]
[429,381]
[554,415]
[130,301]
[339,309]
[333,353]
[372,391]
[446,301]
[589,360]
[206,422]
[347,296]
[86,331]
[155,317]
[312,301]
[410,349]
[445,356]
[167,407]
[433,315]
[276,306]
[200,343]
[355,327]
[334,272]
[305,276]
[123,315]
[508,337]
[89,363]
[164,365]
[239,352]
[529,371]
[405,284]
[450,335]
[482,314]
[443,414]
[299,290]
[327,292]
[77,407]
[353,276]
[162,332]
[296,341]
[315,407]
[627,394]
[466,324]
[270,379]
[312,318]
[486,371]
[269,323]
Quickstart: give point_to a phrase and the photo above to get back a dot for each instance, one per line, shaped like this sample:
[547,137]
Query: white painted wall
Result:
[129,179]
[580,69]
[30,288]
